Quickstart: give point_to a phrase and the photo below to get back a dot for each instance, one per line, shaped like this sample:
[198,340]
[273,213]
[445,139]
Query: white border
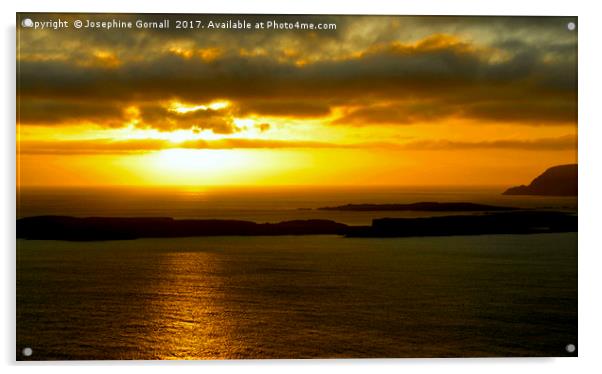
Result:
[590,160]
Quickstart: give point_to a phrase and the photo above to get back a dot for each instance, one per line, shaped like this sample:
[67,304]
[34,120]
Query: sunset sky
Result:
[380,101]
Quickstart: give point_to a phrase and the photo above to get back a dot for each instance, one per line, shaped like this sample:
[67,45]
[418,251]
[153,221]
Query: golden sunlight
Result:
[182,108]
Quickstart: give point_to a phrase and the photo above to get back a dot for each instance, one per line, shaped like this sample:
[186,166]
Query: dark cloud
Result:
[397,113]
[277,108]
[51,112]
[91,147]
[165,119]
[516,78]
[533,111]
[551,111]
[263,126]
[567,142]
[108,146]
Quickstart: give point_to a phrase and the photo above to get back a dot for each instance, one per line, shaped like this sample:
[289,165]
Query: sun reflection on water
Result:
[188,315]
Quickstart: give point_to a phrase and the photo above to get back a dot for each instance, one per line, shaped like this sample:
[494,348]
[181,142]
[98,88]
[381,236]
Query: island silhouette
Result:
[119,228]
[558,180]
[421,206]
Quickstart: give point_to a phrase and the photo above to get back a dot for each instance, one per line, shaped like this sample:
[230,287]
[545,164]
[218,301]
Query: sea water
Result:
[262,204]
[298,297]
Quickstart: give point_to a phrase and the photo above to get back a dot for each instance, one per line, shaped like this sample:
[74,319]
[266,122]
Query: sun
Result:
[194,166]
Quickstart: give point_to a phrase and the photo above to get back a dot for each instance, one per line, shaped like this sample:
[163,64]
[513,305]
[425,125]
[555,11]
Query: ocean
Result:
[291,297]
[261,204]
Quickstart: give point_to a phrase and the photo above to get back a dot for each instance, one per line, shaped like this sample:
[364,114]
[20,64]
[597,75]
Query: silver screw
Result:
[27,22]
[570,348]
[27,351]
[571,26]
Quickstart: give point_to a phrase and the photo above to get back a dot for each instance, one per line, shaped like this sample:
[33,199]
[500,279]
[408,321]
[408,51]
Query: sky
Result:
[381,100]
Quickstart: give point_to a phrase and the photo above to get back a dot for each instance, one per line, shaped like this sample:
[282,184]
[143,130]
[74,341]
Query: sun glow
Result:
[190,161]
[243,122]
[209,166]
[182,108]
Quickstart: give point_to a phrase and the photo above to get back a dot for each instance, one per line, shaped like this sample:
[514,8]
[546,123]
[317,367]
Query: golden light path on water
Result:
[297,297]
[188,319]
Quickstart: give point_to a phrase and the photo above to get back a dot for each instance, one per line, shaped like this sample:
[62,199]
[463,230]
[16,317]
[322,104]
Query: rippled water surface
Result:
[297,297]
[262,204]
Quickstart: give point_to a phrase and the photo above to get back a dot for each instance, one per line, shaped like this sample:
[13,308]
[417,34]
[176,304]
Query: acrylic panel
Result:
[222,186]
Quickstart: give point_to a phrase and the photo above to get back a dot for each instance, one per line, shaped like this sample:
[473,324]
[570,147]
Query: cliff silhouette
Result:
[556,181]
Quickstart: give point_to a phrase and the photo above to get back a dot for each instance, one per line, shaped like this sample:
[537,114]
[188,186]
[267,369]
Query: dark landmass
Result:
[556,181]
[423,206]
[107,228]
[113,228]
[527,222]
